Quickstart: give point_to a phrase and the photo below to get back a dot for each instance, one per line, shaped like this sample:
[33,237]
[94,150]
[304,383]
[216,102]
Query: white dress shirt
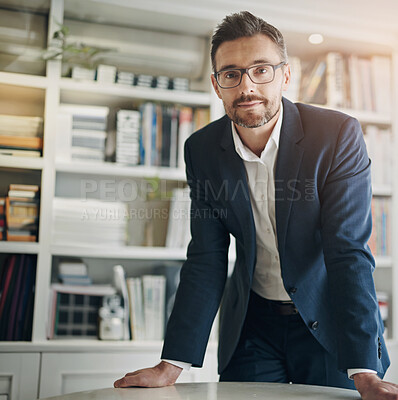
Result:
[267,279]
[260,171]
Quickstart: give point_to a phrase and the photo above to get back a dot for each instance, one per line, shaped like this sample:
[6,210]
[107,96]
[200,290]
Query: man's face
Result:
[251,105]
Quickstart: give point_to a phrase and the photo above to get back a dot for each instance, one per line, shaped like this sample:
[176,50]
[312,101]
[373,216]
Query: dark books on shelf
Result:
[164,130]
[2,218]
[17,288]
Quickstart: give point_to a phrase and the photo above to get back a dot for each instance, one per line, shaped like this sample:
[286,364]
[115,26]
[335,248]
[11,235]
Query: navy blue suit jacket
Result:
[323,219]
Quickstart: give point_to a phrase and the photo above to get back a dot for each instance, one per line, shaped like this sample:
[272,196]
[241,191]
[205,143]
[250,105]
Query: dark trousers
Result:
[280,348]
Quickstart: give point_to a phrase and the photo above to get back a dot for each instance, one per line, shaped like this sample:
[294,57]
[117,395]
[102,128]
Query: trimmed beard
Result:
[254,121]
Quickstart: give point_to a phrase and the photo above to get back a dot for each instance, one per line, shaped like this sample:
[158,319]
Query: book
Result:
[106,74]
[178,228]
[335,79]
[6,280]
[22,193]
[20,153]
[381,79]
[154,290]
[127,136]
[16,297]
[22,142]
[18,186]
[27,291]
[17,125]
[7,296]
[137,318]
[119,281]
[184,131]
[72,268]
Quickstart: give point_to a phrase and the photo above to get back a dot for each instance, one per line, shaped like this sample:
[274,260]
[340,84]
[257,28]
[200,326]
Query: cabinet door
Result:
[19,376]
[63,373]
[392,372]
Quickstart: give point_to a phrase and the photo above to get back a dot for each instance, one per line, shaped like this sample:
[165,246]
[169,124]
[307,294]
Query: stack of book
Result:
[22,213]
[106,74]
[17,283]
[2,218]
[144,80]
[125,78]
[147,297]
[81,132]
[74,310]
[83,74]
[73,273]
[180,84]
[178,228]
[89,222]
[21,136]
[128,137]
[162,82]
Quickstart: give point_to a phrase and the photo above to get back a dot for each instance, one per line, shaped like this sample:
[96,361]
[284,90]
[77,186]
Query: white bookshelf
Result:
[127,252]
[31,81]
[19,247]
[115,169]
[47,92]
[72,88]
[21,162]
[365,117]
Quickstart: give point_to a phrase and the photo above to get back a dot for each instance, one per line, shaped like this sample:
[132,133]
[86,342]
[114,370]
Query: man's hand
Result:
[163,374]
[371,387]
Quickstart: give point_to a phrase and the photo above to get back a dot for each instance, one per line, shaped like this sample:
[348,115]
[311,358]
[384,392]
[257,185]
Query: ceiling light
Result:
[315,38]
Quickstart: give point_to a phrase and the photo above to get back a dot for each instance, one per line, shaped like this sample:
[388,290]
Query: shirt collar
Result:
[244,152]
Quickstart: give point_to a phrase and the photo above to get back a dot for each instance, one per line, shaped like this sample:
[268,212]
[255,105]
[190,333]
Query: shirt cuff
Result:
[352,371]
[181,364]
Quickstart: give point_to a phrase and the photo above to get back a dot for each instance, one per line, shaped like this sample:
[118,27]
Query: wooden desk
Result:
[218,391]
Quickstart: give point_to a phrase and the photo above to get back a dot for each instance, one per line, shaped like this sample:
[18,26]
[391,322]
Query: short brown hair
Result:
[245,24]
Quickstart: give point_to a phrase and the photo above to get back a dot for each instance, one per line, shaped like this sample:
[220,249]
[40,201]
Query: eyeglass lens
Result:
[258,74]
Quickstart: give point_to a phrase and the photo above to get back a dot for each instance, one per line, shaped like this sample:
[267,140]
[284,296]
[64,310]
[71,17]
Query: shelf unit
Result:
[55,90]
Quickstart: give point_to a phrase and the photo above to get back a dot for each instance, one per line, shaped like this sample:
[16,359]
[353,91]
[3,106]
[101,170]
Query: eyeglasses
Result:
[230,78]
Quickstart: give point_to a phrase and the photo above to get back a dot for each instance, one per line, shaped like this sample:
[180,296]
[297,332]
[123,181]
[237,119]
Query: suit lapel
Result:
[233,174]
[290,155]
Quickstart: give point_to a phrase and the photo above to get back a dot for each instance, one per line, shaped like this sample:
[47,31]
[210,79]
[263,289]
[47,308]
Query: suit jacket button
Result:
[314,325]
[292,290]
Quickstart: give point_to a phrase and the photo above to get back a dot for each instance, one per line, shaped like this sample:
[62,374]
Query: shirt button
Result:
[262,197]
[276,258]
[314,325]
[268,230]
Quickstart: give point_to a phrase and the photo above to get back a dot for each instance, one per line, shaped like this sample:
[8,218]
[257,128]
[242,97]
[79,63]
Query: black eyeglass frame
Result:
[246,71]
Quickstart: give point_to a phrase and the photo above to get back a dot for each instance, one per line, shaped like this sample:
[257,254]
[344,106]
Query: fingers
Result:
[140,378]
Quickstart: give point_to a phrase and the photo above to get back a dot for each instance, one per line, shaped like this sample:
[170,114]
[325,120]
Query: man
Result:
[291,183]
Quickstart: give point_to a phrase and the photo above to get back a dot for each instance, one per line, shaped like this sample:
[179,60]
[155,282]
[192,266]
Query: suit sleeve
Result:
[202,278]
[346,228]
